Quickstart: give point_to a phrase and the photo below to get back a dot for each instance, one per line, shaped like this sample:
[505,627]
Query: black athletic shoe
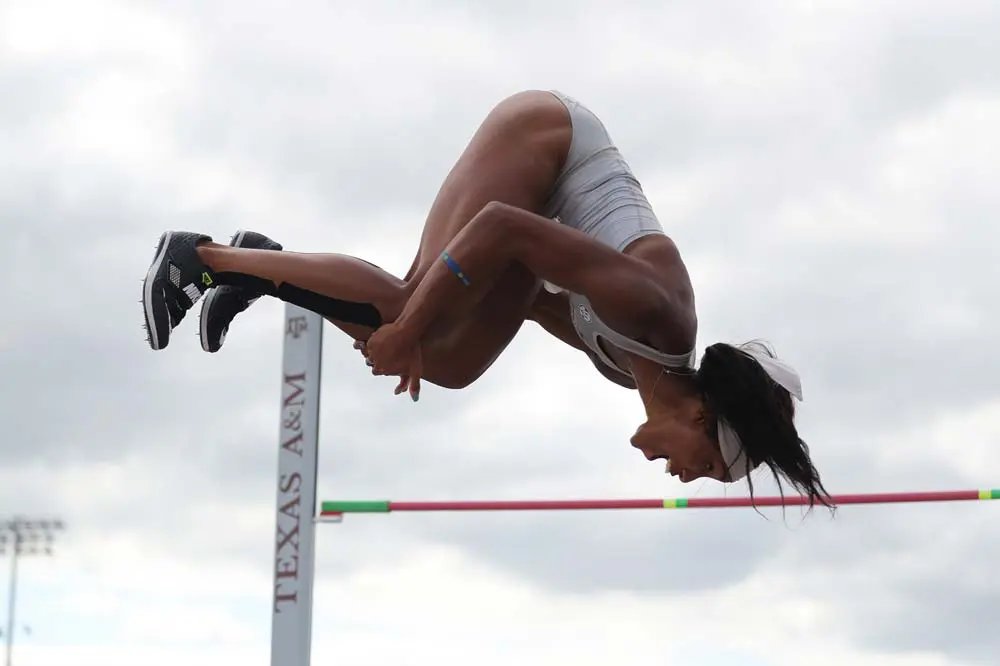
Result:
[175,281]
[224,302]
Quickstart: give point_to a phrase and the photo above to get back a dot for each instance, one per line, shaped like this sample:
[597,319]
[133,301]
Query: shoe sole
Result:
[147,294]
[210,298]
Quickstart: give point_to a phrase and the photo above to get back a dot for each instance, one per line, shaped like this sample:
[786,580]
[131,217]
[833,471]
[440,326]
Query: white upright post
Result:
[298,449]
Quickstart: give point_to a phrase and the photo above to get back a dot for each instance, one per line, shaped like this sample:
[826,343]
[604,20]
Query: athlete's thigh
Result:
[460,347]
[514,157]
[457,354]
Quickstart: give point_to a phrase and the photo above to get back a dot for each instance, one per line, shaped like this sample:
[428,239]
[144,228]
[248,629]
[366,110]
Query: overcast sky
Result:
[829,170]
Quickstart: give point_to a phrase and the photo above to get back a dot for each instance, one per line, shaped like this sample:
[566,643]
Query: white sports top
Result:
[598,194]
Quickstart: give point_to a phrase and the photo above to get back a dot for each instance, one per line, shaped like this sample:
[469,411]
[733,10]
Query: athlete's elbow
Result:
[497,225]
[515,232]
[508,217]
[497,210]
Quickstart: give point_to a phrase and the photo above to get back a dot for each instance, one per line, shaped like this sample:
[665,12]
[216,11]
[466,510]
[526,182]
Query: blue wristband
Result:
[450,263]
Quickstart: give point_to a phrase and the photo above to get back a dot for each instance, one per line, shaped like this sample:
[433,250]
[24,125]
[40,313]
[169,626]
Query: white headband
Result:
[729,442]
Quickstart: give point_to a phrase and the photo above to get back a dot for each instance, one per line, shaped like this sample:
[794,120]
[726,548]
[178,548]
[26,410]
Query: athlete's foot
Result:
[175,281]
[224,302]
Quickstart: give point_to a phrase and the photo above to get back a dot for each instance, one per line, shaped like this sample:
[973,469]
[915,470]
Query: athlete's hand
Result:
[404,380]
[394,350]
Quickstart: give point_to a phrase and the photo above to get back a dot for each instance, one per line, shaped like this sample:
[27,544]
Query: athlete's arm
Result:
[625,292]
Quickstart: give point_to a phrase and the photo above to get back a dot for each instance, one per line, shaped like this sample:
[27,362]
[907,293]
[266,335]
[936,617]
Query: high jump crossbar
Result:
[337,508]
[297,513]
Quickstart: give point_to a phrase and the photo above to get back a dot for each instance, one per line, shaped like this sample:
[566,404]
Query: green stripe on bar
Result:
[675,503]
[373,506]
[989,494]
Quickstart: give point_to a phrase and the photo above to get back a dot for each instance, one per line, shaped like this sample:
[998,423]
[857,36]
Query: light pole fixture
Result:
[21,537]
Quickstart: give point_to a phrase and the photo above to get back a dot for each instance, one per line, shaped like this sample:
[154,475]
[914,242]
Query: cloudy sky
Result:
[829,170]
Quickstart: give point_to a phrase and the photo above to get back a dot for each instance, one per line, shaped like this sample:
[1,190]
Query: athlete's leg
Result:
[514,167]
[337,276]
[514,157]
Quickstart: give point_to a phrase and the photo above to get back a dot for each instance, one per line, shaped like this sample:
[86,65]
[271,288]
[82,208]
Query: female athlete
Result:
[541,219]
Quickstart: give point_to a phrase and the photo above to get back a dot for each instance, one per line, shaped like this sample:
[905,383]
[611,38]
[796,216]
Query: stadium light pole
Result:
[20,537]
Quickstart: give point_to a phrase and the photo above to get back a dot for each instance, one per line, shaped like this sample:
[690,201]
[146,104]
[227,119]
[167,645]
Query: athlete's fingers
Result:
[416,370]
[363,348]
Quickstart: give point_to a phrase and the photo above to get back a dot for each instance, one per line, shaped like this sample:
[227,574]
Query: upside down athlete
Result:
[541,219]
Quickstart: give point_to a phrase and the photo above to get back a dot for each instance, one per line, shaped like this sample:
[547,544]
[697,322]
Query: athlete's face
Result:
[683,440]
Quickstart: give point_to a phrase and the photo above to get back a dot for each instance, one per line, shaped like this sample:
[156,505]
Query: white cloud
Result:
[50,28]
[827,169]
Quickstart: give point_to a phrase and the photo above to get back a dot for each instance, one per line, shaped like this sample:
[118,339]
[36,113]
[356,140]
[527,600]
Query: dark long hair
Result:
[735,387]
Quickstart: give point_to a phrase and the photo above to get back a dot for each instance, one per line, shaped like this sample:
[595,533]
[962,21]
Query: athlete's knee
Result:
[456,383]
[448,376]
[459,378]
[447,364]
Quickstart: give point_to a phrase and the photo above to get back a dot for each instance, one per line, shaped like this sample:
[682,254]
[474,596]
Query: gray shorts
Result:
[596,191]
